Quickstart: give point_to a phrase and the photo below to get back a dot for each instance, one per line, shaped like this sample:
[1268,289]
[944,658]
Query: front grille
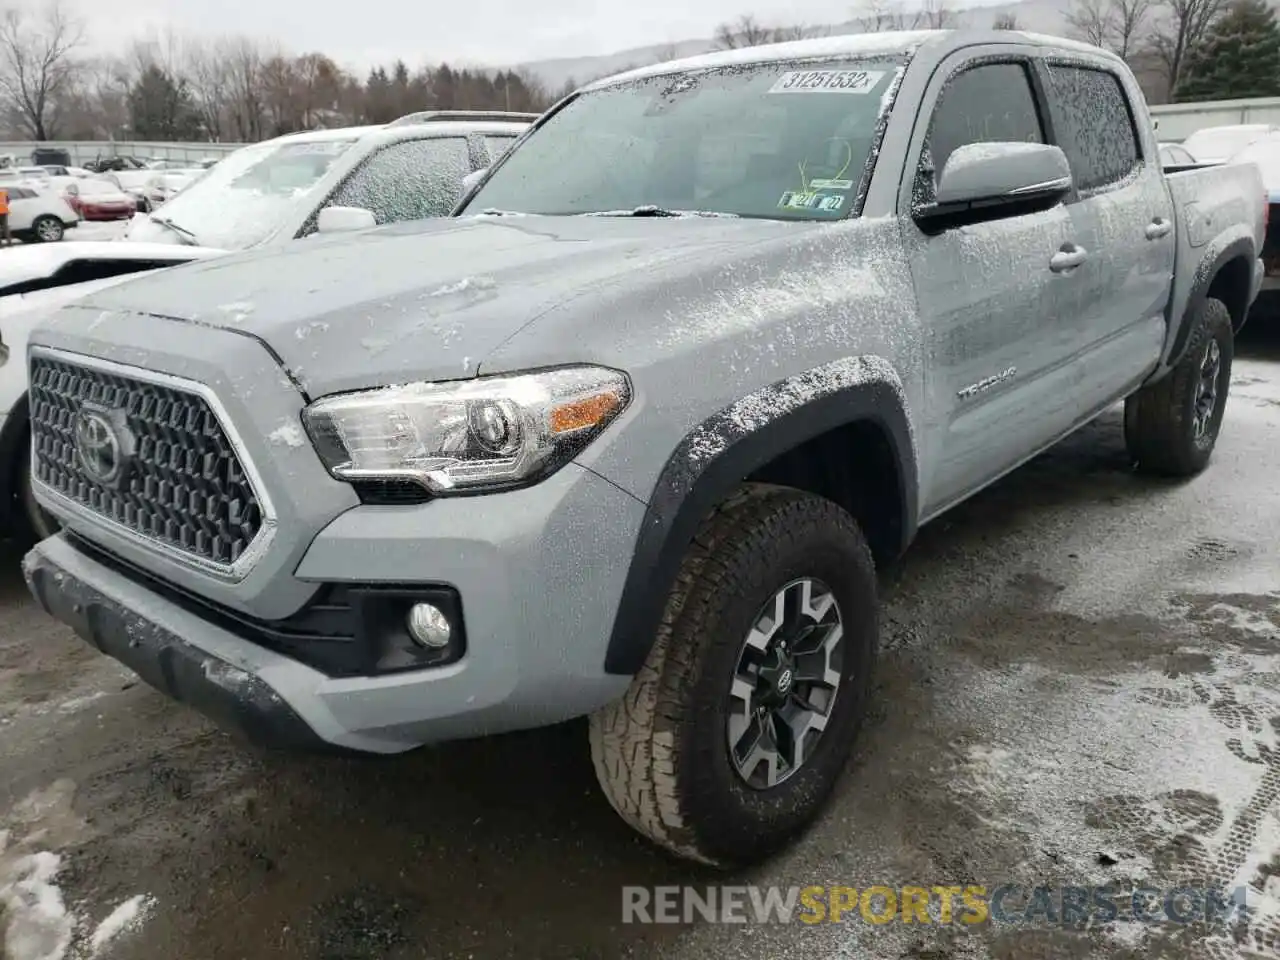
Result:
[181,484]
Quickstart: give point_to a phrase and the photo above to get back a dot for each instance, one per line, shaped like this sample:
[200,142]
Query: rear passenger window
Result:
[984,104]
[1093,125]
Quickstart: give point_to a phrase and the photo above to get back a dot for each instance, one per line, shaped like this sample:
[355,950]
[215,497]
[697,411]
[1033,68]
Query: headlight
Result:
[463,436]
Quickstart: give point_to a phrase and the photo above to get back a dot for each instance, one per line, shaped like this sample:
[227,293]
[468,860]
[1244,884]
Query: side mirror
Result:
[981,177]
[344,220]
[472,180]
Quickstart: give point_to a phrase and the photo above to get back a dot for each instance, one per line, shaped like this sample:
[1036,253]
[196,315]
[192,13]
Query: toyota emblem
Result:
[98,447]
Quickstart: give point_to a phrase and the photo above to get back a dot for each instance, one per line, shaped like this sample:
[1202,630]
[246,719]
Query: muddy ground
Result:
[1080,684]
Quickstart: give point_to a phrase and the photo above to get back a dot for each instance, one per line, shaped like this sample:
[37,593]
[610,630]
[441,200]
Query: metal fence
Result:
[1179,120]
[85,150]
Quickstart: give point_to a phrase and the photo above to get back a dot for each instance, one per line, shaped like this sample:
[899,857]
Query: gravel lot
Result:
[1080,683]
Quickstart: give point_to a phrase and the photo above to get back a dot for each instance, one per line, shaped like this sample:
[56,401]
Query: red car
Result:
[100,200]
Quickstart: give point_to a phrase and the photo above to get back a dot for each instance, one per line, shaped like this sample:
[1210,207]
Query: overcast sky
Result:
[493,32]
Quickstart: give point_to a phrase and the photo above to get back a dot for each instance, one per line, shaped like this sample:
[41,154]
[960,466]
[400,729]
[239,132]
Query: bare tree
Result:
[208,67]
[244,87]
[1181,25]
[877,16]
[1118,25]
[1005,21]
[1129,24]
[746,31]
[666,53]
[37,66]
[935,15]
[1091,21]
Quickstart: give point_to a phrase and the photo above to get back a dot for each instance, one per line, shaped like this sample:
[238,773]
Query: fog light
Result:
[429,626]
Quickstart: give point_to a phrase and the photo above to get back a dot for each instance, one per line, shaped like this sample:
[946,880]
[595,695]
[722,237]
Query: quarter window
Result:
[1093,125]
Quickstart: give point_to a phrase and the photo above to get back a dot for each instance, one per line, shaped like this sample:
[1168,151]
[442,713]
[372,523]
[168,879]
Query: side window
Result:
[497,146]
[983,104]
[21,193]
[410,180]
[1095,129]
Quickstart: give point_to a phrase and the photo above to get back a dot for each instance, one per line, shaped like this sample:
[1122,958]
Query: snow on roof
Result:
[444,128]
[1064,43]
[848,45]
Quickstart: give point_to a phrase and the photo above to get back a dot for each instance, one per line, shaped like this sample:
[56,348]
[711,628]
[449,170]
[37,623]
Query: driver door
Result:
[999,322]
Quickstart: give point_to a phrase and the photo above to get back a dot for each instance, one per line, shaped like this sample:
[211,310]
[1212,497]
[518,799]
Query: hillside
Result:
[1041,16]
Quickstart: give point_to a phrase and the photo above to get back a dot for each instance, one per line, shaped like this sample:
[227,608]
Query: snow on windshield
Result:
[776,140]
[242,201]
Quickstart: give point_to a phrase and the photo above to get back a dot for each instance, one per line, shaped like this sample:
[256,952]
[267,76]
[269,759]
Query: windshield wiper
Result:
[186,235]
[650,210]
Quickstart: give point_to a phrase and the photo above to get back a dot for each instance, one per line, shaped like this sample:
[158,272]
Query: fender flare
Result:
[1241,248]
[714,459]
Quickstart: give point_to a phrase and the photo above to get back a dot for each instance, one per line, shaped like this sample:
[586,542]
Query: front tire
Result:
[1172,425]
[39,524]
[47,229]
[711,753]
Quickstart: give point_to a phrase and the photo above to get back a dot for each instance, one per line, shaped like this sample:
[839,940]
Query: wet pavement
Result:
[1079,685]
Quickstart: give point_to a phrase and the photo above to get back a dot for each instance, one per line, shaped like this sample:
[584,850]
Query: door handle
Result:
[1157,228]
[1068,258]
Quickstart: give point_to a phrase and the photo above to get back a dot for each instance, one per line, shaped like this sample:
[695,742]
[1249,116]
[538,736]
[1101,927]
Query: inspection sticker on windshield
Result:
[827,81]
[810,200]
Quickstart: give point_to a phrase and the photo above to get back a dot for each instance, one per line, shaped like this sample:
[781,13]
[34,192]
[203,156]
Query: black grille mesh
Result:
[185,486]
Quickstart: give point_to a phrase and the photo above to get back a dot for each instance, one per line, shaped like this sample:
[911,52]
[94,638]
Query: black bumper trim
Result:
[232,698]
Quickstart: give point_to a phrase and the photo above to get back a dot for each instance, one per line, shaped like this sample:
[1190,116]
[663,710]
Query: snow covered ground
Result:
[1080,685]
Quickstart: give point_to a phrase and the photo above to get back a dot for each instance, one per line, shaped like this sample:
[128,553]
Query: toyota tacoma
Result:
[628,436]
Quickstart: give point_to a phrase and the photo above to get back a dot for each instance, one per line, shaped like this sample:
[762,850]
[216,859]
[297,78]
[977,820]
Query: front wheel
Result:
[735,731]
[39,524]
[48,229]
[1172,425]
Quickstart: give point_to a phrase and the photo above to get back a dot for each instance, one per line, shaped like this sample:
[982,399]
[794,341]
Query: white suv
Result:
[36,215]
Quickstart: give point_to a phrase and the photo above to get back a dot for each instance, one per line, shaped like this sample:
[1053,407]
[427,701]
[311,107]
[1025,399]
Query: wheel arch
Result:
[1225,276]
[14,433]
[852,443]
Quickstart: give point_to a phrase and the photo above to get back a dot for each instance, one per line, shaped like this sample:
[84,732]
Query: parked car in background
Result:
[264,194]
[134,183]
[114,163]
[99,200]
[206,162]
[1218,144]
[1175,155]
[280,189]
[628,437]
[38,216]
[167,184]
[1264,153]
[56,156]
[36,175]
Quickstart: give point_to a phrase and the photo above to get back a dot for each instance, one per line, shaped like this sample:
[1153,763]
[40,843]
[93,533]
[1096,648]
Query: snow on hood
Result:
[427,300]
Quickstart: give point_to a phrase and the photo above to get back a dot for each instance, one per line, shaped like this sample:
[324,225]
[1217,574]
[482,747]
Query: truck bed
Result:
[1214,206]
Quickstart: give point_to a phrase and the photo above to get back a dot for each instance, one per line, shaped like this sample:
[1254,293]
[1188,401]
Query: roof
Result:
[847,45]
[439,128]
[852,45]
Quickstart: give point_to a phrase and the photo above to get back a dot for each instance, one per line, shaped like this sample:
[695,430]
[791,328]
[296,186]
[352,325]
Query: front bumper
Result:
[539,572]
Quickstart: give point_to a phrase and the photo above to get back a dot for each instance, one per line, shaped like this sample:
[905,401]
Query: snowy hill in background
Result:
[1039,16]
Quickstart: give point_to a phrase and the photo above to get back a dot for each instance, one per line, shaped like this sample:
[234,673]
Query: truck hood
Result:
[427,300]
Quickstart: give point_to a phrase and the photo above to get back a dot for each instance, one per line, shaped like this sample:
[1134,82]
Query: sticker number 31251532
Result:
[827,81]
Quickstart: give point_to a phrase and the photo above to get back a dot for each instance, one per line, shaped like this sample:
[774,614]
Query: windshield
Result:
[761,140]
[242,200]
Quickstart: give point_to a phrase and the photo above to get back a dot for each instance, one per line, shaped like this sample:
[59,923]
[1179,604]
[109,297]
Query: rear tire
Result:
[665,753]
[47,229]
[1171,426]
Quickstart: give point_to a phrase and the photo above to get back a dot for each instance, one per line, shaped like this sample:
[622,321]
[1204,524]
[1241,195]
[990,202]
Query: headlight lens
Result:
[487,433]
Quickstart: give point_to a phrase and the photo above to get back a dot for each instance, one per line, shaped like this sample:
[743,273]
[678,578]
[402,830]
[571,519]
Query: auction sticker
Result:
[827,81]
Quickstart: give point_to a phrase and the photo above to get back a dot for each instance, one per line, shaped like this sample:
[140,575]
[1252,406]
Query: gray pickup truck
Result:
[628,436]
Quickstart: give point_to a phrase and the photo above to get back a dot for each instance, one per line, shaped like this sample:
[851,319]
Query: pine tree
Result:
[1240,57]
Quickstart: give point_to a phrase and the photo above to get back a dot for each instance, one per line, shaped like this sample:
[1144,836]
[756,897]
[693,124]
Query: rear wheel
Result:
[732,736]
[48,229]
[1171,426]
